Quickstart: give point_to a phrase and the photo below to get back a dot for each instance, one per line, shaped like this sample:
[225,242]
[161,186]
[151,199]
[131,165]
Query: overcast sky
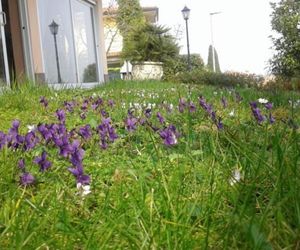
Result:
[241,32]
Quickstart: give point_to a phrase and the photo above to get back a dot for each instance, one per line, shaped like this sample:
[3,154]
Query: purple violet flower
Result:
[62,142]
[43,162]
[97,103]
[181,105]
[219,124]
[77,154]
[169,135]
[253,105]
[257,113]
[21,164]
[69,106]
[192,107]
[80,176]
[14,130]
[61,115]
[86,132]
[44,101]
[160,118]
[104,113]
[2,140]
[26,179]
[271,118]
[224,102]
[84,105]
[142,121]
[269,106]
[111,103]
[31,140]
[131,123]
[147,112]
[106,132]
[45,132]
[112,135]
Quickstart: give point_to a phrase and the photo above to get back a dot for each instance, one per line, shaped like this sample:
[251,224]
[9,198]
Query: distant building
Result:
[113,38]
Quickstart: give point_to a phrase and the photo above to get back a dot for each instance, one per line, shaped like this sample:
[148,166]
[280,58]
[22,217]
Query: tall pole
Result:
[212,43]
[212,39]
[188,44]
[57,59]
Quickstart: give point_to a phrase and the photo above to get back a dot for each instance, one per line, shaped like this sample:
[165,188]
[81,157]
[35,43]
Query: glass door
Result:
[84,39]
[4,73]
[70,48]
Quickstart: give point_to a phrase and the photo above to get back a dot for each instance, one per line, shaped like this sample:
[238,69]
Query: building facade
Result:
[60,42]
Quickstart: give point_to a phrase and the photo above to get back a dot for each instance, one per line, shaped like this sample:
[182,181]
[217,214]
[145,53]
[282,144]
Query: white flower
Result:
[263,101]
[231,113]
[295,103]
[215,92]
[236,177]
[30,128]
[83,189]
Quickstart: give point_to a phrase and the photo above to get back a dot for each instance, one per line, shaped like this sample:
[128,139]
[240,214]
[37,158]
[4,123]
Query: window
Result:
[74,54]
[84,41]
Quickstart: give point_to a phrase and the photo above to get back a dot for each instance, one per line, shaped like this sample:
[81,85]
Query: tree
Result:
[111,31]
[150,43]
[286,43]
[129,17]
[210,60]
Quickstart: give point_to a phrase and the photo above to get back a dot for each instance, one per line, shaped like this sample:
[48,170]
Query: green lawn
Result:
[236,186]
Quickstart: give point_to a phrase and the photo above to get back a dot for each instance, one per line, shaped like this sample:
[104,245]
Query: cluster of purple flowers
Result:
[260,118]
[183,104]
[131,121]
[211,113]
[169,135]
[15,141]
[25,178]
[106,132]
[70,144]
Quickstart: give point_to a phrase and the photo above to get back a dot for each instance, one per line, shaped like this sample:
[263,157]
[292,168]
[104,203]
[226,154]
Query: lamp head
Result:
[186,13]
[53,28]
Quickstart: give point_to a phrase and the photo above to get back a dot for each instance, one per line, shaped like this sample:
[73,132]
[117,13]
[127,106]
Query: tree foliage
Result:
[150,42]
[130,16]
[286,43]
[210,64]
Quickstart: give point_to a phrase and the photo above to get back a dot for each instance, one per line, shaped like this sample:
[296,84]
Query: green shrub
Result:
[179,64]
[226,79]
[280,83]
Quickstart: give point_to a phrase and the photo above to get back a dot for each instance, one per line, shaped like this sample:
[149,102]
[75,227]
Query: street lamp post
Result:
[212,39]
[54,30]
[186,14]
